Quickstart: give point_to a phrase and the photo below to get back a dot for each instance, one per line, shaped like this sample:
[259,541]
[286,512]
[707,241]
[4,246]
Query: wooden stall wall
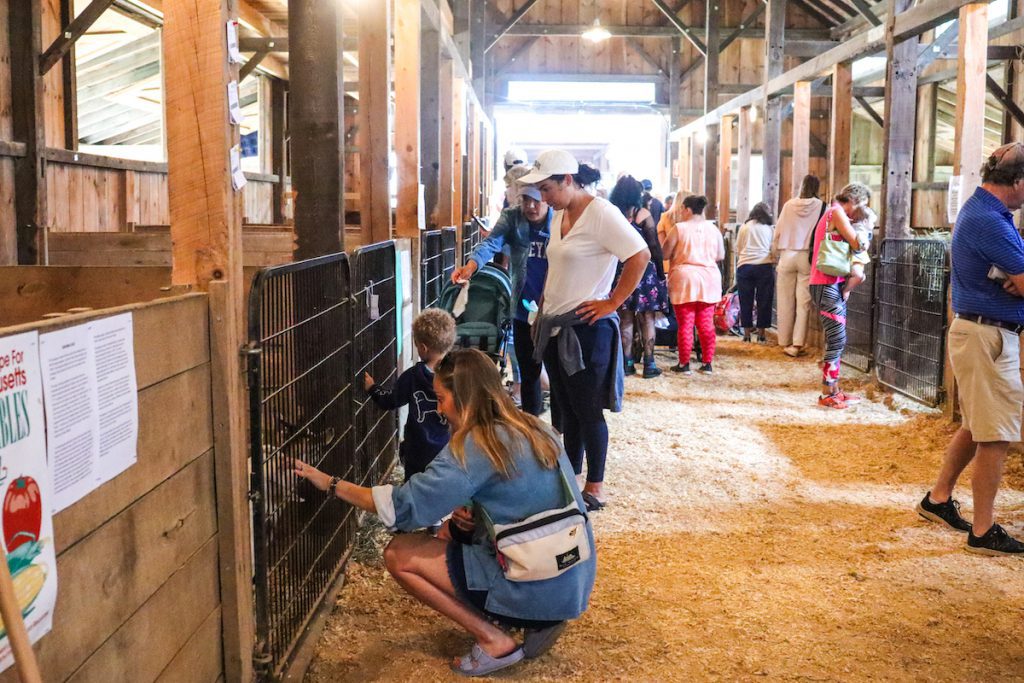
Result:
[8,239]
[137,558]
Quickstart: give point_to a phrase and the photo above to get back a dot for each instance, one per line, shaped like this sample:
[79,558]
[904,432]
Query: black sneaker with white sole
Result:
[947,513]
[995,541]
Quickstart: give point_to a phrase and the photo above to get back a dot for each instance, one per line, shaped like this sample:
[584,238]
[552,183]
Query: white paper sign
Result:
[238,180]
[26,523]
[953,198]
[91,395]
[234,55]
[234,109]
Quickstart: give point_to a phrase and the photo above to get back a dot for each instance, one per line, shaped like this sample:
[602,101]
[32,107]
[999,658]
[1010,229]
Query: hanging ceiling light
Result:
[596,33]
[753,113]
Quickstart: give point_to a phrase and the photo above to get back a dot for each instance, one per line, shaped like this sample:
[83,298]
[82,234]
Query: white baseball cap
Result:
[514,157]
[551,162]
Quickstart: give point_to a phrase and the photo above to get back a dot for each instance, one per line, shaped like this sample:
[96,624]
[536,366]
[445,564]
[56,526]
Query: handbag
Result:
[834,256]
[544,545]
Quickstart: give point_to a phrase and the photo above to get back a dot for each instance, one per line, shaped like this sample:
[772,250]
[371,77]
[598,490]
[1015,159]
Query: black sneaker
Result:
[947,513]
[706,369]
[684,369]
[651,370]
[628,368]
[995,541]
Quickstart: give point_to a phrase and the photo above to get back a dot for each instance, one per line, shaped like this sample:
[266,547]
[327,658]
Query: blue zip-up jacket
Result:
[426,430]
[446,485]
[512,229]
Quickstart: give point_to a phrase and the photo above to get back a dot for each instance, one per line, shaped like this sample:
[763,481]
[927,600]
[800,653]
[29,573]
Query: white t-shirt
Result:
[581,266]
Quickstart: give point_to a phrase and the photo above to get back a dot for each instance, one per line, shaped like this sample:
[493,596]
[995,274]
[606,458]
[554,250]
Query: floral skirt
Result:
[650,295]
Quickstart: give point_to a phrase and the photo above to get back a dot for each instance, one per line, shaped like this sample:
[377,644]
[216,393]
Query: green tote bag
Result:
[834,256]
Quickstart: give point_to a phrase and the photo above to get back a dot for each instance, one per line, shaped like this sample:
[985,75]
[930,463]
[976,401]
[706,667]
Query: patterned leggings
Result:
[704,315]
[832,309]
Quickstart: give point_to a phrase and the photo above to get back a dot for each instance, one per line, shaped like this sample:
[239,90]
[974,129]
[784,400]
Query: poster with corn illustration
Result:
[26,523]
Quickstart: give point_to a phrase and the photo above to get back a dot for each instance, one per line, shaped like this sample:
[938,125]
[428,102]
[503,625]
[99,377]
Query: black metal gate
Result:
[308,342]
[437,261]
[910,318]
[860,323]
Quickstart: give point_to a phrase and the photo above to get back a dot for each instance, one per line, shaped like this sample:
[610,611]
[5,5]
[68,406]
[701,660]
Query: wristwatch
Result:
[334,485]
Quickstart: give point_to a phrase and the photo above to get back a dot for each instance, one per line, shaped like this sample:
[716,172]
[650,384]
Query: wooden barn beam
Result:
[916,20]
[970,98]
[639,49]
[712,159]
[865,10]
[801,144]
[680,26]
[744,145]
[28,123]
[775,26]
[69,81]
[512,21]
[206,234]
[250,65]
[674,83]
[477,46]
[407,110]
[374,120]
[430,121]
[71,33]
[924,151]
[725,170]
[742,31]
[841,127]
[815,13]
[316,125]
[1009,106]
[278,146]
[899,128]
[444,209]
[735,33]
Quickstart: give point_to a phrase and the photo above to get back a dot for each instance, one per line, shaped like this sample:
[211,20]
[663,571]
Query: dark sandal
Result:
[592,503]
[537,641]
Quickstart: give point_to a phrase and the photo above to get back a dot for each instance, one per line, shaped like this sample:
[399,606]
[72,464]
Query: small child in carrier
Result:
[862,220]
[426,430]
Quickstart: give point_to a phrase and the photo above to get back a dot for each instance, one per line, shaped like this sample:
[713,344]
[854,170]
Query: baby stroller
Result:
[486,321]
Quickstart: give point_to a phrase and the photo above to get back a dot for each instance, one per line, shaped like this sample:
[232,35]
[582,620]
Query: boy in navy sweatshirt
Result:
[426,430]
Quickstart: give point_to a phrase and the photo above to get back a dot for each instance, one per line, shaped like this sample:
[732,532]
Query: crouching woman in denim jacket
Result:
[510,464]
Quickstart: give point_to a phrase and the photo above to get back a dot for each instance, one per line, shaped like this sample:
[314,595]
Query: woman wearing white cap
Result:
[577,331]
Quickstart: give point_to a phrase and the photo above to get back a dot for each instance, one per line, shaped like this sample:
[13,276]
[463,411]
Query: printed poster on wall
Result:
[25,521]
[92,413]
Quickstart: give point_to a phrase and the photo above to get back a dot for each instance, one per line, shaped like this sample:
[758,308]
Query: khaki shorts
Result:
[986,364]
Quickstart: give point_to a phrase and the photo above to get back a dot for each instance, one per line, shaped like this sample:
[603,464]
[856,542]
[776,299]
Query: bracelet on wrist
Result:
[333,488]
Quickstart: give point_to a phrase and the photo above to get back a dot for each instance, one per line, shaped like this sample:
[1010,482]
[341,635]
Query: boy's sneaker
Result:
[628,368]
[849,399]
[683,369]
[947,513]
[832,401]
[995,541]
[705,368]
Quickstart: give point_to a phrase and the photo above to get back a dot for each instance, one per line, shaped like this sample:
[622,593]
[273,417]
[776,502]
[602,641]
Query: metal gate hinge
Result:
[253,495]
[250,349]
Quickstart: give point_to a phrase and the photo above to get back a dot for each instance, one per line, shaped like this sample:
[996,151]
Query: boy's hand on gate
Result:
[367,381]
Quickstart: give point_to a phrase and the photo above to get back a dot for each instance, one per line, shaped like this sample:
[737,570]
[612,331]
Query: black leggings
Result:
[580,399]
[529,369]
[832,310]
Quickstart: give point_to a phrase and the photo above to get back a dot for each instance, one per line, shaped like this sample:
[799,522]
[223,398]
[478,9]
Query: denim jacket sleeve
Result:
[503,232]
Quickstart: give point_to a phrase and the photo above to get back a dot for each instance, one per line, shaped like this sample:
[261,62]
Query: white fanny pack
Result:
[544,545]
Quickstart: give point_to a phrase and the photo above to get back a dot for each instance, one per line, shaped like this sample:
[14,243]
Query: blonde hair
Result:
[485,407]
[434,329]
[858,194]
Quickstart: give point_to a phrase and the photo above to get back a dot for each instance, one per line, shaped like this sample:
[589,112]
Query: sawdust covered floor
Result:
[750,535]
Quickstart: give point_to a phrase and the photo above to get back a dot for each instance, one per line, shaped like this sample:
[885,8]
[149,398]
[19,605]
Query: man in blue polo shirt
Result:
[984,350]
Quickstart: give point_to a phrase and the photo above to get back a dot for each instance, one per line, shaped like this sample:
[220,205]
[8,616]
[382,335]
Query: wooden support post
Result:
[430,119]
[924,153]
[443,209]
[725,170]
[801,164]
[278,146]
[683,170]
[317,125]
[674,83]
[70,82]
[711,87]
[458,131]
[206,233]
[771,146]
[970,97]
[28,125]
[696,164]
[408,222]
[374,120]
[841,128]
[478,49]
[900,117]
[745,144]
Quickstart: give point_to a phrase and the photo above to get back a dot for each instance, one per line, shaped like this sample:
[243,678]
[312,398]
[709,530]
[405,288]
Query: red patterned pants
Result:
[703,315]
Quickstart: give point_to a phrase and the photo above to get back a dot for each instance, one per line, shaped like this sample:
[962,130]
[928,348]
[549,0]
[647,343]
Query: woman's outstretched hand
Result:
[313,475]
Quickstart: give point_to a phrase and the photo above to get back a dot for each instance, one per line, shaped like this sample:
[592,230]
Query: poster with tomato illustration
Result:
[26,524]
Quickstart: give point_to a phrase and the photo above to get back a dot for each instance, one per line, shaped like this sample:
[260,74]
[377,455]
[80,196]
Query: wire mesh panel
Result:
[910,316]
[314,327]
[860,323]
[431,268]
[375,350]
[467,240]
[448,256]
[300,370]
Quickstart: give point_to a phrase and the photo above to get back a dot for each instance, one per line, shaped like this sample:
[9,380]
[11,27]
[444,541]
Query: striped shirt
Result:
[984,237]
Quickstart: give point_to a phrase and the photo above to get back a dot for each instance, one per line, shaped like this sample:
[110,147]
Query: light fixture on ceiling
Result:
[596,33]
[753,114]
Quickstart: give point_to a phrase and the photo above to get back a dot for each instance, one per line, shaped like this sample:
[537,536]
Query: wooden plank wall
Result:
[260,247]
[138,557]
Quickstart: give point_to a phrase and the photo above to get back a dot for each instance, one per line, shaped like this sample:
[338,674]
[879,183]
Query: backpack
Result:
[727,314]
